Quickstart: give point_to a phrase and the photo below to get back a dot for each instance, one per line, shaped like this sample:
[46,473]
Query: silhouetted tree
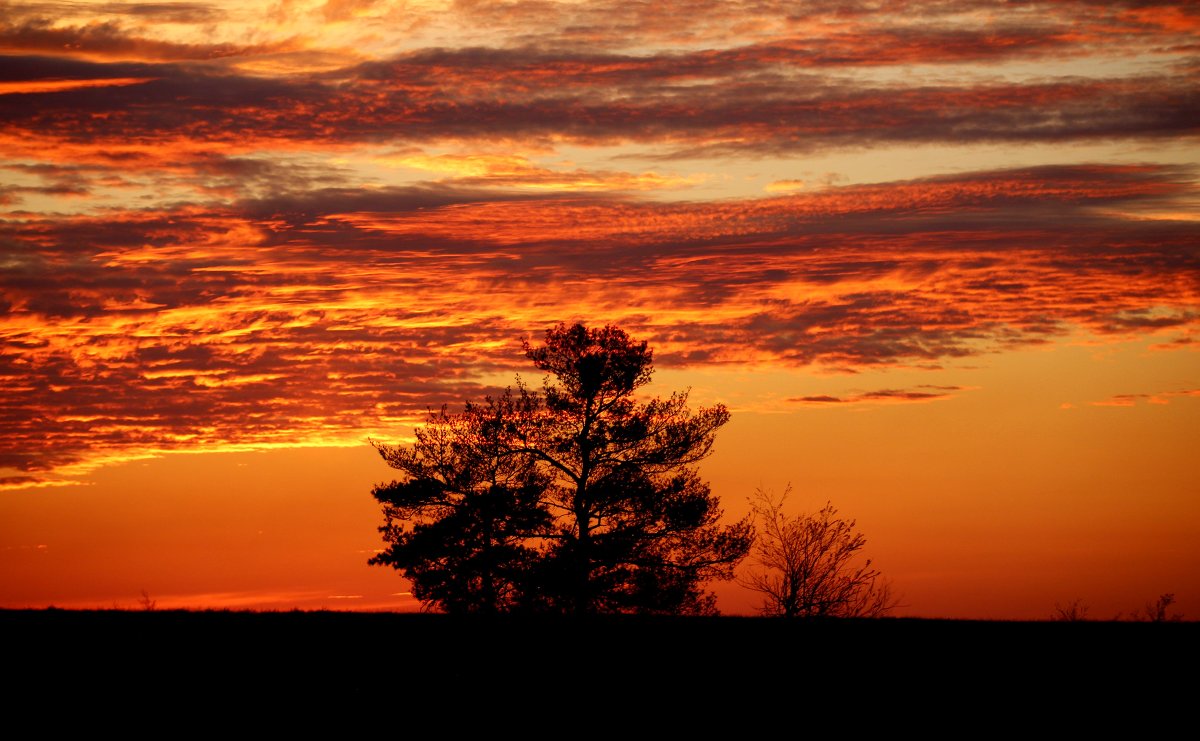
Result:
[599,507]
[1073,612]
[1156,612]
[459,527]
[805,566]
[147,604]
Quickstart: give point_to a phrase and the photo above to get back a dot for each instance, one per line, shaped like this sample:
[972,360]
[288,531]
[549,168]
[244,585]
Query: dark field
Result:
[720,667]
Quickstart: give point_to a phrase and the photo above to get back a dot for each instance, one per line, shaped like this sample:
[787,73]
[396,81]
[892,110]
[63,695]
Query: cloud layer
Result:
[222,231]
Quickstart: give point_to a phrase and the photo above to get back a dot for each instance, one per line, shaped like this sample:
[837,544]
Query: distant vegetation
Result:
[1157,611]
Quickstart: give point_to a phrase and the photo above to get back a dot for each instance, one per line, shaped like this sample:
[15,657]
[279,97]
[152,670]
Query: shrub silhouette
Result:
[805,566]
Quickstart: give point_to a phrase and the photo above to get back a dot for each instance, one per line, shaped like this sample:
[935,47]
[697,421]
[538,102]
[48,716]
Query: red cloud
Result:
[328,315]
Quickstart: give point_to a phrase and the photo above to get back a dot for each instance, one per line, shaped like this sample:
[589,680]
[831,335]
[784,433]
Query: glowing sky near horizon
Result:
[940,259]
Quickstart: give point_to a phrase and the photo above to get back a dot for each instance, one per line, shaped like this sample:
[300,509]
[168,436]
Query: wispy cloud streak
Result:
[412,103]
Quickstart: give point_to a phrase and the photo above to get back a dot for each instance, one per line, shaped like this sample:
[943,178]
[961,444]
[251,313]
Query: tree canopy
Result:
[582,498]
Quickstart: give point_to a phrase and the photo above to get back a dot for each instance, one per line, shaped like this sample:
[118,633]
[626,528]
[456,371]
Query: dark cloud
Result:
[818,399]
[512,95]
[1129,400]
[841,29]
[481,69]
[175,12]
[14,481]
[269,299]
[111,39]
[900,395]
[309,204]
[31,68]
[11,194]
[1134,320]
[916,231]
[882,395]
[335,313]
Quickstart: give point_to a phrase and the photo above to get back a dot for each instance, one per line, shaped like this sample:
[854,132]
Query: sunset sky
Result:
[941,260]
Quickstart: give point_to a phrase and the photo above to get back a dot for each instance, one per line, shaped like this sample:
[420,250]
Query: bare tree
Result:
[146,603]
[1072,612]
[1156,612]
[808,565]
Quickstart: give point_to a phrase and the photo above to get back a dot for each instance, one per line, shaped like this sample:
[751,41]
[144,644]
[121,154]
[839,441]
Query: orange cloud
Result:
[55,86]
[784,186]
[200,249]
[513,171]
[513,95]
[9,483]
[322,316]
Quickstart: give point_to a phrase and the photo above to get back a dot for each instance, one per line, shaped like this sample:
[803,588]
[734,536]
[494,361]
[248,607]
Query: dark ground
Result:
[894,671]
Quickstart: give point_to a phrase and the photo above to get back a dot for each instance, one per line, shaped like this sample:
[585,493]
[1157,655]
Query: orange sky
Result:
[940,260]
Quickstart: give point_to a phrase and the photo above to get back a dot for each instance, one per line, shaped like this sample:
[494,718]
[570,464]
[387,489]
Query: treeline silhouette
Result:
[445,670]
[581,499]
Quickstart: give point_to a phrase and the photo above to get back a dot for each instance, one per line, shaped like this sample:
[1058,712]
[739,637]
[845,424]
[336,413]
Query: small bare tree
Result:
[807,565]
[1156,612]
[1072,612]
[146,603]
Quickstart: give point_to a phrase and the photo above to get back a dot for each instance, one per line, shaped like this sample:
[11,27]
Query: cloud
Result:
[517,172]
[784,186]
[324,316]
[12,483]
[1134,320]
[111,40]
[1129,400]
[173,12]
[490,95]
[935,393]
[204,245]
[838,32]
[1177,343]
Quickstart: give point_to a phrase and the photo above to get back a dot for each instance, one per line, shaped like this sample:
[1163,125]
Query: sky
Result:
[940,259]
